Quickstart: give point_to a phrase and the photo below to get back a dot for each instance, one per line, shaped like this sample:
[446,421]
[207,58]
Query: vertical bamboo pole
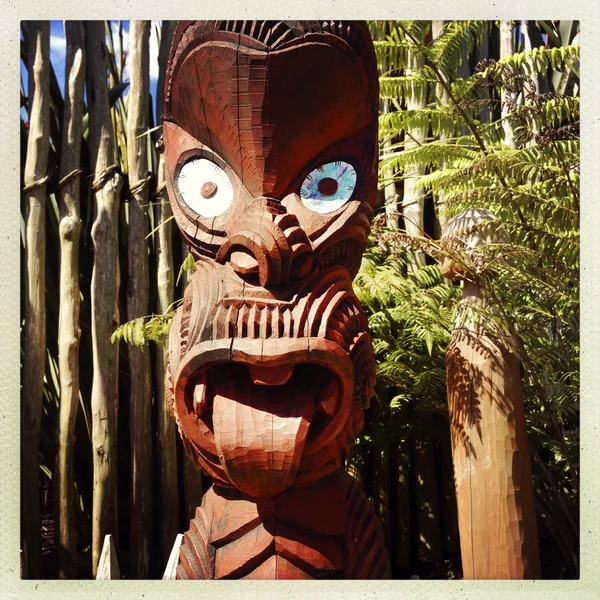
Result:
[481,52]
[402,520]
[104,292]
[506,49]
[137,298]
[192,487]
[442,98]
[68,321]
[412,200]
[36,165]
[448,510]
[390,193]
[167,432]
[381,476]
[494,487]
[428,505]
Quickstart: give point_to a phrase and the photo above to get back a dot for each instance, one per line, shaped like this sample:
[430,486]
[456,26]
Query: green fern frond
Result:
[457,38]
[439,122]
[137,331]
[414,88]
[539,60]
[189,264]
[435,154]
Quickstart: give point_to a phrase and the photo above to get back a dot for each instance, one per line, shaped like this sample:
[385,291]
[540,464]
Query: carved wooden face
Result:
[270,149]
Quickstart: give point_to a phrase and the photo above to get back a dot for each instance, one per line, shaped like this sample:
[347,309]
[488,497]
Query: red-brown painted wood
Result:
[270,156]
[492,469]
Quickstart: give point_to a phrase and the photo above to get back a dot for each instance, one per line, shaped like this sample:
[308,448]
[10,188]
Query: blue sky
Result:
[58,51]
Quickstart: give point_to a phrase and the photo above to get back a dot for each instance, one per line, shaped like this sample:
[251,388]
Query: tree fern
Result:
[533,189]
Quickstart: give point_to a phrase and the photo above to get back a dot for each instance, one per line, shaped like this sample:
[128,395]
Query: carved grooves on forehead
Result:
[273,35]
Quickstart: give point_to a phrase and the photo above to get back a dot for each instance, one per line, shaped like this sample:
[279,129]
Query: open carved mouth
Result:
[291,391]
[258,418]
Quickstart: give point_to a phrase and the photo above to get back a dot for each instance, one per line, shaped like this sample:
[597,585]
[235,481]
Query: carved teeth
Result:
[199,402]
[327,405]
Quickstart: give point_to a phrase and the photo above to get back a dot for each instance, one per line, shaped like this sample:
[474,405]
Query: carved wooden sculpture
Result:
[492,469]
[270,151]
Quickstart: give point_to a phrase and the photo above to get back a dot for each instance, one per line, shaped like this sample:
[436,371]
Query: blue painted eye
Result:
[328,187]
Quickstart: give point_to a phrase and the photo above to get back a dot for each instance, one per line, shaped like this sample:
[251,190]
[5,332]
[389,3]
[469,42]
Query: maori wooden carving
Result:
[492,469]
[270,139]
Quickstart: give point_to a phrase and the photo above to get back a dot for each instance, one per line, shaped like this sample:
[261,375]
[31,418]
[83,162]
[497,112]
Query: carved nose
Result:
[270,244]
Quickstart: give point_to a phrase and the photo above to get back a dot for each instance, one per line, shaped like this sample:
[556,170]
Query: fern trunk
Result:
[36,166]
[167,432]
[137,299]
[68,327]
[104,293]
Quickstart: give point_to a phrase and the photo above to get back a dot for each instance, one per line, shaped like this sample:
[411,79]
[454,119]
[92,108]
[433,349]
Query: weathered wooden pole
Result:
[68,320]
[168,510]
[36,165]
[137,299]
[104,292]
[429,545]
[492,468]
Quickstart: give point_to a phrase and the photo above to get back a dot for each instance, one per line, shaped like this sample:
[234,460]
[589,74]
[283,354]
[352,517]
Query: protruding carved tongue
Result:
[260,434]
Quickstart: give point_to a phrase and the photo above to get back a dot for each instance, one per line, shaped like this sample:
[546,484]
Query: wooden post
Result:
[492,468]
[168,509]
[137,299]
[36,165]
[68,322]
[104,291]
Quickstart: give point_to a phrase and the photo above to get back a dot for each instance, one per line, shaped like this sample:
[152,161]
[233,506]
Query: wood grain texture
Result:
[165,283]
[492,468]
[140,400]
[270,360]
[237,537]
[104,291]
[36,165]
[69,331]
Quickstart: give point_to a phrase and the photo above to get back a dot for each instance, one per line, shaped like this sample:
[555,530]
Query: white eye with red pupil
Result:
[205,187]
[328,187]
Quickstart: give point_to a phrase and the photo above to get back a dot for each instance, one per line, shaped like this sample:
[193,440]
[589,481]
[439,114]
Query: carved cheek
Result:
[312,222]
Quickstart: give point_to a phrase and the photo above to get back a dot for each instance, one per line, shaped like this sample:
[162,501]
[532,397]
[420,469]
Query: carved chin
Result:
[255,417]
